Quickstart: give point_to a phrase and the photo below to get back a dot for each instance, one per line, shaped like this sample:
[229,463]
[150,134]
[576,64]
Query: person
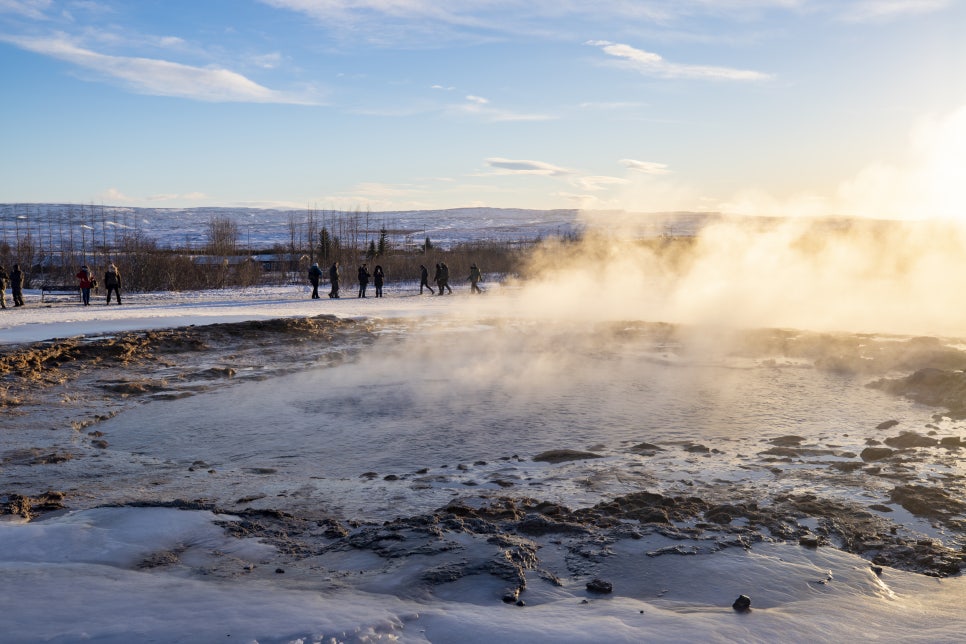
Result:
[334,280]
[112,282]
[378,278]
[475,278]
[3,287]
[16,285]
[424,280]
[84,279]
[444,276]
[363,280]
[315,274]
[438,278]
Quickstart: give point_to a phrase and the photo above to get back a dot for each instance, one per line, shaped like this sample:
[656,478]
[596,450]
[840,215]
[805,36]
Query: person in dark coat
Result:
[424,279]
[84,278]
[334,280]
[112,282]
[363,280]
[475,278]
[378,279]
[16,285]
[315,274]
[438,278]
[444,278]
[3,287]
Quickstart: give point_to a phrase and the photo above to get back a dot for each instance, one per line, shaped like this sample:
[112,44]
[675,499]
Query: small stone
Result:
[600,586]
[521,603]
[279,571]
[742,604]
[808,540]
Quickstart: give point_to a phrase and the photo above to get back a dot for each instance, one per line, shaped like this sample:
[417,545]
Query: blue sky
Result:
[792,107]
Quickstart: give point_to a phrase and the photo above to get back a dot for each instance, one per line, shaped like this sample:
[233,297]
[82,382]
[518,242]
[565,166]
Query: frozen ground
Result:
[458,469]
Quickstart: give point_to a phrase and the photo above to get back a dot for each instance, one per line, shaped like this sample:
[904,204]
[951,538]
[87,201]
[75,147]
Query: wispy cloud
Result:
[885,10]
[33,9]
[160,77]
[479,107]
[598,183]
[653,64]
[523,166]
[645,167]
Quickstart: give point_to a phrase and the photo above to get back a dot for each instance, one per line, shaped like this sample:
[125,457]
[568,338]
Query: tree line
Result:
[51,252]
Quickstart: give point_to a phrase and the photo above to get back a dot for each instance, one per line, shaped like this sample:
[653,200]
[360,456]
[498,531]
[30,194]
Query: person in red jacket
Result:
[84,281]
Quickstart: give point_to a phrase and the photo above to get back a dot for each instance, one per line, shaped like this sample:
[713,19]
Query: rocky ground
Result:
[75,383]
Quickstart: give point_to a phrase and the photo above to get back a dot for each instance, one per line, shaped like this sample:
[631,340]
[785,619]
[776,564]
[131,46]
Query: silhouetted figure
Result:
[16,285]
[475,278]
[378,279]
[444,277]
[424,279]
[112,282]
[363,280]
[84,281]
[315,274]
[334,280]
[438,278]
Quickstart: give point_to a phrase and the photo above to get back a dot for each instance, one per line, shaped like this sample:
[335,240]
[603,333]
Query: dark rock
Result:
[887,424]
[742,604]
[563,455]
[790,440]
[930,502]
[600,586]
[910,439]
[695,448]
[809,540]
[646,449]
[876,453]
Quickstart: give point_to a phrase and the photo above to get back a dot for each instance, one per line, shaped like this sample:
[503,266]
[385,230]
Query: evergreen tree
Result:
[383,242]
[372,249]
[325,245]
[428,245]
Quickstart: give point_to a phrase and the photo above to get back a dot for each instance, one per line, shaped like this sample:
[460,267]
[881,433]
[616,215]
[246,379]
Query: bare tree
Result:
[222,236]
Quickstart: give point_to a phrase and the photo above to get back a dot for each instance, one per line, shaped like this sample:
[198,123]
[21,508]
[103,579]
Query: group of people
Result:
[16,286]
[87,281]
[378,278]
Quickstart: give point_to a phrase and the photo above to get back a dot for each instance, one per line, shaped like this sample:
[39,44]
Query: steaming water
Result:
[474,405]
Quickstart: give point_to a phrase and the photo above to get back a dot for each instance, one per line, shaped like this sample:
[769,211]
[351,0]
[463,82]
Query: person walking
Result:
[378,278]
[475,278]
[16,285]
[438,278]
[444,277]
[363,280]
[112,282]
[334,280]
[315,274]
[424,280]
[84,281]
[3,287]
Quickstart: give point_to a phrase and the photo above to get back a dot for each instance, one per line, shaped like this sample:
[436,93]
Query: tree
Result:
[222,236]
[383,242]
[325,245]
[428,245]
[372,249]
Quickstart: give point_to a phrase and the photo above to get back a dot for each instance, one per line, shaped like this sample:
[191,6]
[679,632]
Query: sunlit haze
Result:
[765,107]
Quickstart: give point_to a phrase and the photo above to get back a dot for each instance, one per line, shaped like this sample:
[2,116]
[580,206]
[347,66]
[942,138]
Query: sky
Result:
[769,107]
